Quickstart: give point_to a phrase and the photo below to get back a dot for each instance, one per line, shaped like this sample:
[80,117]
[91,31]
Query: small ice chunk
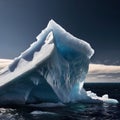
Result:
[41,113]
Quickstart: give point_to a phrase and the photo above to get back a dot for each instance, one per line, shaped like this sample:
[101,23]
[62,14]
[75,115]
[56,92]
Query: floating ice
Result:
[52,69]
[35,113]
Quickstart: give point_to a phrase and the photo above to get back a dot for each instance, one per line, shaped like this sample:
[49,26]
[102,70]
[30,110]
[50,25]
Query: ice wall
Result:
[52,69]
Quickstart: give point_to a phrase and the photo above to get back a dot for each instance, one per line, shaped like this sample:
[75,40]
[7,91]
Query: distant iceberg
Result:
[51,70]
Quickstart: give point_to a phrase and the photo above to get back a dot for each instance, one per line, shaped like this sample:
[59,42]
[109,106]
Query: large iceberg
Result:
[51,70]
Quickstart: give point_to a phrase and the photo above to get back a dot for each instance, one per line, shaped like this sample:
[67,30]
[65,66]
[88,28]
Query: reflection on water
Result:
[71,112]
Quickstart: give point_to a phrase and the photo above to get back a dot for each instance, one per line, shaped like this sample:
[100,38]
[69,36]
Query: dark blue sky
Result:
[95,21]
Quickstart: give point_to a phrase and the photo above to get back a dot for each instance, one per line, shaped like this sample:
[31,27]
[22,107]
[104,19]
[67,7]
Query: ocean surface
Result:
[77,111]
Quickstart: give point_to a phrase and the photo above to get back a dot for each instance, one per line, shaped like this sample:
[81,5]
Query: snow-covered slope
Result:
[52,69]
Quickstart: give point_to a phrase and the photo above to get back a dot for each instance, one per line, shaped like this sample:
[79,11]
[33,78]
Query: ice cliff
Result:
[52,69]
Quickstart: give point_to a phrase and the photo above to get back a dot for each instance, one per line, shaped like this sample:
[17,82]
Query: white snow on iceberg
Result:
[52,69]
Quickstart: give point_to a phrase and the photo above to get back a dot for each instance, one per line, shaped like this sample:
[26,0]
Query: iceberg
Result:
[51,70]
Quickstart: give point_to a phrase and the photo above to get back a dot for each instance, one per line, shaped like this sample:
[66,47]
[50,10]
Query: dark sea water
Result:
[77,111]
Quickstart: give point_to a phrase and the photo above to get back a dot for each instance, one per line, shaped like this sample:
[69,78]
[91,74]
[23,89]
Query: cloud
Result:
[103,73]
[96,68]
[4,62]
[97,72]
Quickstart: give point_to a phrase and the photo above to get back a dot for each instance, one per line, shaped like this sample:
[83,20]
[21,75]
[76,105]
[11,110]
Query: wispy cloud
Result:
[4,62]
[103,73]
[97,72]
